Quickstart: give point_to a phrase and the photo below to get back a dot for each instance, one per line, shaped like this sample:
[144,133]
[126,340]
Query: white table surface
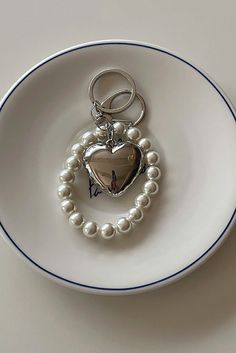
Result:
[196,314]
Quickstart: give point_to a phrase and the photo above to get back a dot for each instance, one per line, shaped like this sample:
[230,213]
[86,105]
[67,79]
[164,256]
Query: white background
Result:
[196,314]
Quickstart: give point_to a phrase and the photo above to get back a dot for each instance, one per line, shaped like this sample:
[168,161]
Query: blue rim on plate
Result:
[175,275]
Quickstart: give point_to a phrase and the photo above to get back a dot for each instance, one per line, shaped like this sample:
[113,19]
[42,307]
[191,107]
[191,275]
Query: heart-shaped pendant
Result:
[113,169]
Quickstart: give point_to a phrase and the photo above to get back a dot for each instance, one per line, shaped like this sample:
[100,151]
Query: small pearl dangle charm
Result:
[114,154]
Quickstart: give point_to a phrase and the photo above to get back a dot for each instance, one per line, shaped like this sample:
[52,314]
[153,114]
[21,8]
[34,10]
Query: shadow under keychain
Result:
[113,154]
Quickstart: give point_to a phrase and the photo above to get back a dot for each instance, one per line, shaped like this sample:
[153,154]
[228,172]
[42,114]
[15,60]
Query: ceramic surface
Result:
[191,124]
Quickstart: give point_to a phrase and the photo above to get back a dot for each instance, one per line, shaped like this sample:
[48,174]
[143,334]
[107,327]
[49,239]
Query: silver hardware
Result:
[112,110]
[115,163]
[103,121]
[110,132]
[108,102]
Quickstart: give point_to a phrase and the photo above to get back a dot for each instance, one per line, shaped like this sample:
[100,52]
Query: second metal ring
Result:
[108,102]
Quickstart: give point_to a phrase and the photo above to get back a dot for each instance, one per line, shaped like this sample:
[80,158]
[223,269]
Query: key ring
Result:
[99,106]
[114,154]
[108,102]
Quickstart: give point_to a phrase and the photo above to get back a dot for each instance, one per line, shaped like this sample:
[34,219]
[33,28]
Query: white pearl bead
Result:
[88,138]
[100,134]
[144,144]
[90,229]
[119,128]
[143,201]
[153,173]
[152,158]
[73,163]
[133,134]
[76,220]
[67,206]
[67,176]
[77,150]
[107,231]
[64,191]
[123,225]
[150,187]
[135,214]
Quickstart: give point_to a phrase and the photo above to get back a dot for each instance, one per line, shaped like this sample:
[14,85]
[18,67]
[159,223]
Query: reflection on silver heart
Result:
[113,169]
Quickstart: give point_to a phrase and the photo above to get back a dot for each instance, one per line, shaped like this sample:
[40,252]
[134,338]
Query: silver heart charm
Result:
[113,169]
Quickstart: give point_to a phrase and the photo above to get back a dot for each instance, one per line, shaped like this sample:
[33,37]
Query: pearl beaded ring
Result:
[142,201]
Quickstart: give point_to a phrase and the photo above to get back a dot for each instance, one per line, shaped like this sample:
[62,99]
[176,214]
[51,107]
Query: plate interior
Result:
[189,124]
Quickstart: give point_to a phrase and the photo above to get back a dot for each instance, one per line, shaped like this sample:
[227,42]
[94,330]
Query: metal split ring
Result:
[100,106]
[108,102]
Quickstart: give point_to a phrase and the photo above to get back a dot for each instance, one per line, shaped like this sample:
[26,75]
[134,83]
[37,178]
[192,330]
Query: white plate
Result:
[192,125]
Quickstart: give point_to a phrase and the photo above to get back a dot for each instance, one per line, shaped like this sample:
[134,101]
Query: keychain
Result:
[113,154]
